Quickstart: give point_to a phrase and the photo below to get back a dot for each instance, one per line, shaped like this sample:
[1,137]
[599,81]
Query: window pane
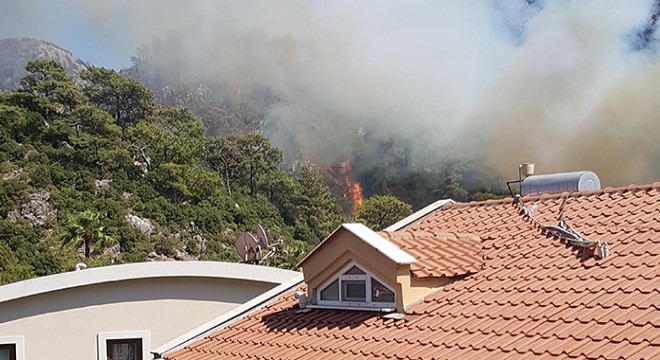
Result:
[331,292]
[354,290]
[380,293]
[124,349]
[7,352]
[124,352]
[354,271]
[4,354]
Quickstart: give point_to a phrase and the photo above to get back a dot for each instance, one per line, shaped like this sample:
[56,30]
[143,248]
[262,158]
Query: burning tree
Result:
[348,191]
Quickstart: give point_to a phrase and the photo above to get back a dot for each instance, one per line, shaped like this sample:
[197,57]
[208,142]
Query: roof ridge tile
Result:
[546,196]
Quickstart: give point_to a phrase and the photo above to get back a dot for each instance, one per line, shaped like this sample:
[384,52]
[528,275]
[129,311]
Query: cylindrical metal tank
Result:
[560,182]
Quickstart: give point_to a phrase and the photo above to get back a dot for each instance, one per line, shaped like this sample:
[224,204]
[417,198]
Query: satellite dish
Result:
[261,237]
[247,248]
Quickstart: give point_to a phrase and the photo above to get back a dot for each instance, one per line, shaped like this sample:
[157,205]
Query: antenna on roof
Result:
[566,232]
[261,237]
[247,248]
[252,249]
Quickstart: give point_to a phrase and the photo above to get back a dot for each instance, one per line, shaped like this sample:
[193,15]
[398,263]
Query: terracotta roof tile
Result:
[439,254]
[537,296]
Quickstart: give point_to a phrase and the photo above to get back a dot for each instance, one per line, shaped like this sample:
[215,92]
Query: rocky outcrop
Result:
[142,224]
[16,53]
[13,174]
[184,256]
[36,211]
[102,185]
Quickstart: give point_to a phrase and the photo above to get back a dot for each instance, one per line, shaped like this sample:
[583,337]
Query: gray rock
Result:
[102,185]
[142,224]
[201,243]
[184,256]
[12,174]
[143,166]
[14,215]
[113,251]
[16,53]
[37,210]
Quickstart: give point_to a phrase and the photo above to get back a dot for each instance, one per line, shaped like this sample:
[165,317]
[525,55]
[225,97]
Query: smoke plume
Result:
[567,84]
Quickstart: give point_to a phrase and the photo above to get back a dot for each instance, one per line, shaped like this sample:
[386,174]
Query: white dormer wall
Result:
[365,280]
[355,244]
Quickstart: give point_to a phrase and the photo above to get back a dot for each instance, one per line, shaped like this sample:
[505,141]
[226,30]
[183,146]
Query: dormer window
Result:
[355,287]
[356,268]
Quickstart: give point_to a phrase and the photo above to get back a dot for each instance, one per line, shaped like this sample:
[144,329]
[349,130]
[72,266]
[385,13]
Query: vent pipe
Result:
[526,169]
[302,299]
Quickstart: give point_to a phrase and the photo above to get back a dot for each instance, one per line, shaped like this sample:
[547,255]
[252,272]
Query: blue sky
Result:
[64,26]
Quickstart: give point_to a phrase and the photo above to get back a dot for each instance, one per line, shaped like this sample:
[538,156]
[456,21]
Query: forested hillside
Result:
[104,172]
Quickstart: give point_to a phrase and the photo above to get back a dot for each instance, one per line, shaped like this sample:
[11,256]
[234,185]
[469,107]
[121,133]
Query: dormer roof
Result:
[371,238]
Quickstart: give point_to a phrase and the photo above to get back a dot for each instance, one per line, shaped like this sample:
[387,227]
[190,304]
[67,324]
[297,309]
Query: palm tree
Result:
[86,228]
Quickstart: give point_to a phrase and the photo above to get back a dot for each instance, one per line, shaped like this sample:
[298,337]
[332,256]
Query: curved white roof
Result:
[145,270]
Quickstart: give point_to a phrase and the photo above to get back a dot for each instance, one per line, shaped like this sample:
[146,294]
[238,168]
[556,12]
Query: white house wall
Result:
[64,324]
[61,316]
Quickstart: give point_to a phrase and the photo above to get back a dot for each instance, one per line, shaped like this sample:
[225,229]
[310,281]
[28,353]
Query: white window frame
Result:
[17,341]
[103,337]
[356,304]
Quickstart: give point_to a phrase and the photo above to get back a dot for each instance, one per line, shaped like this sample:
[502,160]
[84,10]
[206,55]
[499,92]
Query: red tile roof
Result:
[439,254]
[537,297]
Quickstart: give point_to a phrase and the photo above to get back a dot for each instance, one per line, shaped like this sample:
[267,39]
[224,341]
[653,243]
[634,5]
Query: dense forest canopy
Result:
[103,173]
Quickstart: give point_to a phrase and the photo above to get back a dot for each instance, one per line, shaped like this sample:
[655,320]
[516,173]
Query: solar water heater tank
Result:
[560,182]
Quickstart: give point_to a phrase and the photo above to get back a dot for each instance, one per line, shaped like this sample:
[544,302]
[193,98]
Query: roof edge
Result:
[418,215]
[372,238]
[607,190]
[144,270]
[227,318]
[381,244]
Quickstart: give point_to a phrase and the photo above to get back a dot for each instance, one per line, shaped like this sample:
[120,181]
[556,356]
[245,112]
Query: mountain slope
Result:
[15,53]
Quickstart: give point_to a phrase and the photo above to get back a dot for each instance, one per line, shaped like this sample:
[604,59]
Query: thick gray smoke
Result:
[560,83]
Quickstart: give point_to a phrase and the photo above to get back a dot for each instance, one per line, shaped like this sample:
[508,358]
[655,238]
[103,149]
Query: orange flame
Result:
[356,193]
[351,190]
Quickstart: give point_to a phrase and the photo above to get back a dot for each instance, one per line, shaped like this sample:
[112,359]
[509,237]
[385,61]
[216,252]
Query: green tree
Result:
[313,209]
[380,211]
[11,269]
[223,156]
[125,99]
[243,160]
[86,228]
[173,135]
[17,128]
[46,90]
[186,182]
[95,136]
[48,79]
